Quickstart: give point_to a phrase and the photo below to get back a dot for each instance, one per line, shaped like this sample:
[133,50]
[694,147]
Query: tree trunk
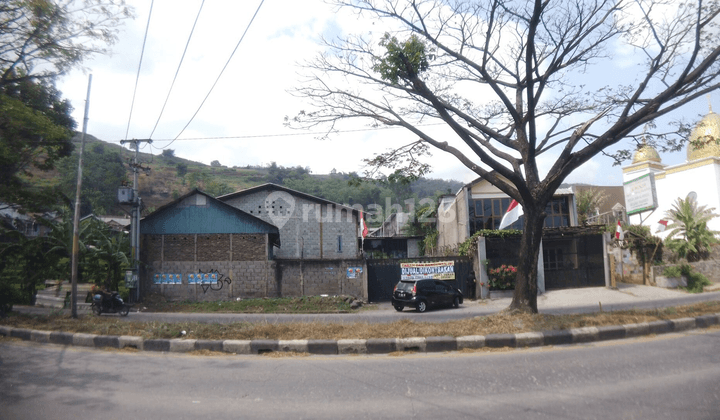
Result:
[525,296]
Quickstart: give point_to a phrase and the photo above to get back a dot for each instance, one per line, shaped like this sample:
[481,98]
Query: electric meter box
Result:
[125,195]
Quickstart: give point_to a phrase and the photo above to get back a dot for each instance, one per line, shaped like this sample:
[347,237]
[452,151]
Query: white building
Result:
[699,176]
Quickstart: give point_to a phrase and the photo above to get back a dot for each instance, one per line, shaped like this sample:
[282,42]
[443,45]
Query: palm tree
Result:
[689,235]
[109,252]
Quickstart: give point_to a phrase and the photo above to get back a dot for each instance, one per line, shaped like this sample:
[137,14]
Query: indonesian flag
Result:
[363,226]
[662,225]
[511,215]
[619,234]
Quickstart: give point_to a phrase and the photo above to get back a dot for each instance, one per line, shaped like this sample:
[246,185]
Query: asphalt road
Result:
[675,376]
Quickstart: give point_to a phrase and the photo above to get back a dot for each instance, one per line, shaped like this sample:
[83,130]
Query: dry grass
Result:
[502,323]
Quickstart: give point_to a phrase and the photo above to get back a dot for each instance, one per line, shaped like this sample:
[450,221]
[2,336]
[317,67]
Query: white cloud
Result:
[251,98]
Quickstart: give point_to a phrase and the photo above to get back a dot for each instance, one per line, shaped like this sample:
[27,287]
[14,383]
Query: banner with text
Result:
[441,270]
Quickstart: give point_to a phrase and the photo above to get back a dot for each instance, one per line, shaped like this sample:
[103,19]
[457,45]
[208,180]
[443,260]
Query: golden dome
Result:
[646,153]
[707,131]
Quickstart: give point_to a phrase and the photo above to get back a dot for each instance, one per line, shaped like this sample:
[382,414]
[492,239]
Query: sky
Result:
[242,120]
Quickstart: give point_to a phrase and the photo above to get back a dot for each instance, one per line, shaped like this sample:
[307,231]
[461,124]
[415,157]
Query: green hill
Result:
[165,177]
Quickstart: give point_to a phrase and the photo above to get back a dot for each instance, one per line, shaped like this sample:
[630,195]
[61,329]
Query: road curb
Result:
[369,346]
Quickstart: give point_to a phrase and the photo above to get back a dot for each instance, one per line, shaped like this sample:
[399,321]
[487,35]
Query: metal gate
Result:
[384,274]
[574,262]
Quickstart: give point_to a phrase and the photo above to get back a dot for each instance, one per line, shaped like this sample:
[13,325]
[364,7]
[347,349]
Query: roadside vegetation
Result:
[296,305]
[502,323]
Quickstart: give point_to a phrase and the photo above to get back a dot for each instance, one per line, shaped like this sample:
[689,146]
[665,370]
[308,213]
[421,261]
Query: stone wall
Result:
[627,269]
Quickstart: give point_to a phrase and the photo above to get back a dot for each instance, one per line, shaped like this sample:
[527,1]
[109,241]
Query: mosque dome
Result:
[646,153]
[708,131]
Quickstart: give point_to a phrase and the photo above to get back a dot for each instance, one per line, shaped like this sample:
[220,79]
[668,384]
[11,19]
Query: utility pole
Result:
[135,217]
[76,215]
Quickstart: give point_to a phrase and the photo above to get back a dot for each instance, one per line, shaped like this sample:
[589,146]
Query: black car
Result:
[424,293]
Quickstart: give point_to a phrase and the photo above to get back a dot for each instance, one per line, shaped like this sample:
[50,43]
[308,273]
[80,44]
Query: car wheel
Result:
[399,308]
[421,306]
[456,302]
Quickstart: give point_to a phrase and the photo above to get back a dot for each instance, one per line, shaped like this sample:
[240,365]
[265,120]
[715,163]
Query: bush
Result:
[9,295]
[696,282]
[673,271]
[503,277]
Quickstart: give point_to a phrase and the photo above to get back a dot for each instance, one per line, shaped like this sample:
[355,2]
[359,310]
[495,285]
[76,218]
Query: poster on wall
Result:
[167,278]
[191,278]
[130,279]
[438,270]
[354,272]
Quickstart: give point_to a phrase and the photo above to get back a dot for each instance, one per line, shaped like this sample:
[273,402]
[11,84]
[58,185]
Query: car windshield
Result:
[406,286]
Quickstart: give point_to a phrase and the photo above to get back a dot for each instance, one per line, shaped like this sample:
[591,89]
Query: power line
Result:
[137,77]
[178,68]
[219,75]
[308,133]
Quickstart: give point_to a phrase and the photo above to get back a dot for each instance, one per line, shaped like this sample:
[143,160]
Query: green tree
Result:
[423,223]
[588,202]
[108,255]
[217,188]
[41,39]
[168,153]
[24,264]
[35,132]
[103,173]
[689,235]
[182,169]
[515,83]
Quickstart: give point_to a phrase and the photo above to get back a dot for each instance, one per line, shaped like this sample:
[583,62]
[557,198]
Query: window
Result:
[558,212]
[339,244]
[553,258]
[486,213]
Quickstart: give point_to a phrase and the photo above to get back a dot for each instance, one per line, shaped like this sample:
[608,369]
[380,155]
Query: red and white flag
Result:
[662,225]
[363,226]
[511,215]
[619,234]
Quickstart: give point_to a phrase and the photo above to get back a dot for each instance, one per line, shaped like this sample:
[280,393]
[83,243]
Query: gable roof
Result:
[213,217]
[275,187]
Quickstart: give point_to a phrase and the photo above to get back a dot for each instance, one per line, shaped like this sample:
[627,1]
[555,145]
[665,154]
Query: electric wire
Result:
[219,75]
[137,77]
[306,133]
[197,17]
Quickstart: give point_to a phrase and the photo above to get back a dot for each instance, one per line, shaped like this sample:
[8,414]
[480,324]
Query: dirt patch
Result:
[502,323]
[297,305]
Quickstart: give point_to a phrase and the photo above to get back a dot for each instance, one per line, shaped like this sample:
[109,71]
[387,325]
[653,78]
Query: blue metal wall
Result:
[214,217]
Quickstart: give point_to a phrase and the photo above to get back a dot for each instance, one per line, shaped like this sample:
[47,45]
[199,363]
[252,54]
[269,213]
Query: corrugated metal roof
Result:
[198,212]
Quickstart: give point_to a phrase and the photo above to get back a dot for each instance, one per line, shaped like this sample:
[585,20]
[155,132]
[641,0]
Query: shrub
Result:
[672,271]
[696,282]
[503,277]
[9,295]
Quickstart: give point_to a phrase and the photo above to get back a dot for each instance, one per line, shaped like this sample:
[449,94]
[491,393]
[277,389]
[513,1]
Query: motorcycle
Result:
[111,303]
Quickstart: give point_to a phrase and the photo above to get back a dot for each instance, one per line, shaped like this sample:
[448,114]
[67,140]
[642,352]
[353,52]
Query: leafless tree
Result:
[514,80]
